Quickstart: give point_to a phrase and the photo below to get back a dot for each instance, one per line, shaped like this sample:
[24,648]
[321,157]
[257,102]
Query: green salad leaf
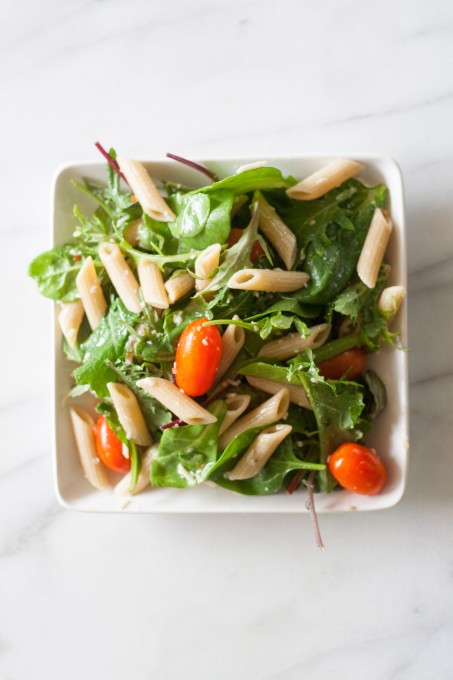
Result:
[187,454]
[106,343]
[251,180]
[55,272]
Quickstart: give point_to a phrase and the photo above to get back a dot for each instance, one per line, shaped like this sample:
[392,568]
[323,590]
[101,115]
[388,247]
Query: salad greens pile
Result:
[126,346]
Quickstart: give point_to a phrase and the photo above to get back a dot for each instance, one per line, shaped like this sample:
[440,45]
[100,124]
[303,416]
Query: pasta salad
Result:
[225,330]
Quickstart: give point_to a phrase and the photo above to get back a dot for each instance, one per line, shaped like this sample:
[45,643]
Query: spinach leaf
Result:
[331,231]
[271,478]
[375,395]
[193,216]
[187,454]
[106,343]
[251,180]
[215,227]
[55,273]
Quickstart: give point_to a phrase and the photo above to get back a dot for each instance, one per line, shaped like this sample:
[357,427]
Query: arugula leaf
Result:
[158,344]
[187,454]
[251,180]
[358,302]
[55,272]
[237,257]
[156,236]
[106,343]
[337,406]
[153,412]
[271,478]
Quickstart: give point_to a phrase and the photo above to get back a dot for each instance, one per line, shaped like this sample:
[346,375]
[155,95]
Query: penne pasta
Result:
[177,402]
[374,248]
[70,317]
[94,470]
[178,286]
[282,238]
[131,233]
[152,284]
[232,341]
[324,180]
[294,343]
[297,395]
[390,300]
[91,294]
[261,449]
[123,488]
[145,190]
[206,264]
[268,280]
[269,411]
[236,405]
[129,414]
[120,275]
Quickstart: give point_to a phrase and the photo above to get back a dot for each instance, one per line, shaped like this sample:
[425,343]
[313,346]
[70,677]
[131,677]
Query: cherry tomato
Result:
[358,469]
[351,362]
[235,235]
[197,358]
[109,448]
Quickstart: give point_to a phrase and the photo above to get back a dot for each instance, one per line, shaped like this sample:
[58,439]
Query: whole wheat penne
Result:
[123,486]
[294,343]
[273,227]
[153,204]
[206,264]
[232,341]
[129,414]
[259,452]
[120,275]
[324,180]
[374,248]
[177,402]
[152,284]
[179,285]
[269,411]
[390,300]
[70,317]
[93,468]
[268,280]
[91,294]
[297,395]
[236,405]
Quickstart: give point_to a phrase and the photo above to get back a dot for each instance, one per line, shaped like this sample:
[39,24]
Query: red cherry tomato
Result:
[235,235]
[197,358]
[352,362]
[109,448]
[358,469]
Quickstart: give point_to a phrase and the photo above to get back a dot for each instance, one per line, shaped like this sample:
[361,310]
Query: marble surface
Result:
[250,597]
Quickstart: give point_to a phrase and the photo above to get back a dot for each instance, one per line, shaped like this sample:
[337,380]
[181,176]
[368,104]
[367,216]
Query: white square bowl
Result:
[389,435]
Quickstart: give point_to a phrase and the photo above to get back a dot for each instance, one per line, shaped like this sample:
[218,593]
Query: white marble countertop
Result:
[243,597]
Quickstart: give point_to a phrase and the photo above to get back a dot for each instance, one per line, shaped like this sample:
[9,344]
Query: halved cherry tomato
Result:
[109,448]
[350,364]
[358,469]
[197,358]
[235,235]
